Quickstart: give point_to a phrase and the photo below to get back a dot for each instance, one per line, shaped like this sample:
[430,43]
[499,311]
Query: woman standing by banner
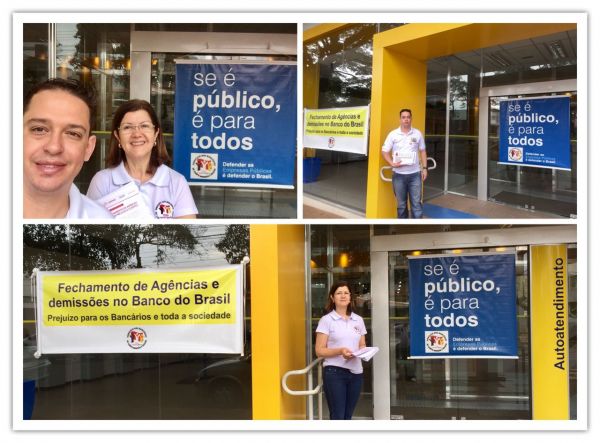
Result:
[340,333]
[137,182]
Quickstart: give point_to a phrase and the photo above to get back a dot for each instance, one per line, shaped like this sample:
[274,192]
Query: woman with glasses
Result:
[340,333]
[136,168]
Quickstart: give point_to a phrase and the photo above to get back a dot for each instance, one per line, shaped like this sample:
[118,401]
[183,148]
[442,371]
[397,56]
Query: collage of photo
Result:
[229,224]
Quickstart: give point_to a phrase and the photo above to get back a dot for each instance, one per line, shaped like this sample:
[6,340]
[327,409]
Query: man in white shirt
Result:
[404,150]
[57,139]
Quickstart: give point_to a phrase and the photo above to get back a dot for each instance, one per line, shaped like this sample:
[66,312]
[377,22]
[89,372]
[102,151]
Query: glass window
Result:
[457,79]
[35,54]
[435,125]
[141,386]
[546,58]
[541,189]
[262,28]
[456,388]
[452,100]
[341,64]
[95,54]
[216,201]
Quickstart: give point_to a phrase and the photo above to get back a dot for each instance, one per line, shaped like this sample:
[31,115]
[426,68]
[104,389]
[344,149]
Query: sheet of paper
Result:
[404,157]
[366,353]
[126,202]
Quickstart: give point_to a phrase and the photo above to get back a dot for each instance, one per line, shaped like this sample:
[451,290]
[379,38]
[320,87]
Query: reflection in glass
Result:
[215,201]
[541,189]
[142,386]
[453,89]
[456,388]
[341,65]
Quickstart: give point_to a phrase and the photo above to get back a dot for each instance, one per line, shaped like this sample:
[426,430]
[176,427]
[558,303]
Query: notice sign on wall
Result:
[337,129]
[463,306]
[168,311]
[535,132]
[235,124]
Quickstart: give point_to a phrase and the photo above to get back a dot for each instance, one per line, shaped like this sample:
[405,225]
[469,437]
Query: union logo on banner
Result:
[136,338]
[205,166]
[436,341]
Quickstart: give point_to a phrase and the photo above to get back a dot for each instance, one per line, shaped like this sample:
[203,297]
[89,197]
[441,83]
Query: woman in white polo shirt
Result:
[340,333]
[136,159]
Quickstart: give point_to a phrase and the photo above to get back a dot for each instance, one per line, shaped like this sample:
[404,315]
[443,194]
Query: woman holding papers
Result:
[137,182]
[340,333]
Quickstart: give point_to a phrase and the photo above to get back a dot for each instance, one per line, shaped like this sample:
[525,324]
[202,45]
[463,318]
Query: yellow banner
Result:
[336,122]
[140,298]
[549,332]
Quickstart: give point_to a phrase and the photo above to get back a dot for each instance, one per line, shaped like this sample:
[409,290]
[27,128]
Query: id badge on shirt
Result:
[126,202]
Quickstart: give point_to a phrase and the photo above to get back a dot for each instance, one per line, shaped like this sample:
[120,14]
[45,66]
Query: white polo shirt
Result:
[408,144]
[166,194]
[81,206]
[343,334]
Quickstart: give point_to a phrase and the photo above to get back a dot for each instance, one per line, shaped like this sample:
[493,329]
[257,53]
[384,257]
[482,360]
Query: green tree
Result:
[74,247]
[235,244]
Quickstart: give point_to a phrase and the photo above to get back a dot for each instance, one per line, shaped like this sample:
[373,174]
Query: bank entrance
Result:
[374,262]
[462,121]
[457,389]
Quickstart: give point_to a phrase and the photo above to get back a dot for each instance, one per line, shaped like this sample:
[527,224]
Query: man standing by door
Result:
[404,150]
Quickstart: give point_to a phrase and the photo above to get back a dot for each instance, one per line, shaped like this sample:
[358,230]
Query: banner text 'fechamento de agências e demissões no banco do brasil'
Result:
[140,311]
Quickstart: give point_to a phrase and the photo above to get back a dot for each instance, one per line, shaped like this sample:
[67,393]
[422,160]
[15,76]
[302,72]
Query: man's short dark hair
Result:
[405,110]
[74,87]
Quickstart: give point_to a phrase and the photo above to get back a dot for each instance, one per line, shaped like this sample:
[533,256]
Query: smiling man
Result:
[57,139]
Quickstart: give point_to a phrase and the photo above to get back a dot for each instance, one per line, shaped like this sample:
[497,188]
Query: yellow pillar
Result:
[310,94]
[277,273]
[398,82]
[549,332]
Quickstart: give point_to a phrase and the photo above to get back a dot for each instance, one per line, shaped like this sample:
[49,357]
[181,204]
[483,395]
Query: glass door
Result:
[154,51]
[546,190]
[541,189]
[423,389]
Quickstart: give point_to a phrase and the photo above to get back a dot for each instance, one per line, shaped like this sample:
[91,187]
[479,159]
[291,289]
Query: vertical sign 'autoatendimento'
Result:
[463,306]
[535,132]
[235,123]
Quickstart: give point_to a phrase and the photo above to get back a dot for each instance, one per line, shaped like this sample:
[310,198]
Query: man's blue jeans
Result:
[342,389]
[408,184]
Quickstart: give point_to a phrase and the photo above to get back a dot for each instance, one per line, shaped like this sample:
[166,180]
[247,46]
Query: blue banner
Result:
[535,132]
[235,124]
[463,306]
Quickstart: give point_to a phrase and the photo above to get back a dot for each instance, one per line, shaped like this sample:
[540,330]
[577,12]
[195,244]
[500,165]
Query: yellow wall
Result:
[310,94]
[277,273]
[400,83]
